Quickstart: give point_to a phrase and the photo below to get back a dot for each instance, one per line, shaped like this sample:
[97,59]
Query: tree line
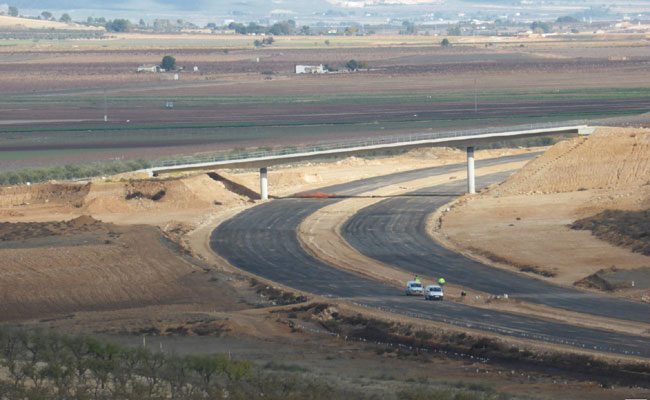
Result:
[13,11]
[43,365]
[46,365]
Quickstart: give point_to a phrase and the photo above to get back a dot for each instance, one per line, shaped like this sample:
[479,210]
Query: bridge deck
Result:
[420,140]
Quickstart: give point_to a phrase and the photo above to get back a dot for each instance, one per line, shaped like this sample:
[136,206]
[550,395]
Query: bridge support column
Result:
[471,180]
[264,183]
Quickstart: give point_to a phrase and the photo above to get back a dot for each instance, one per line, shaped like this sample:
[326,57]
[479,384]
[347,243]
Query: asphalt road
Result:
[263,240]
[394,231]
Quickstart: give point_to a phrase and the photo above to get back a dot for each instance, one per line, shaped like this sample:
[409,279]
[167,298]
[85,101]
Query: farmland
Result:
[155,263]
[57,92]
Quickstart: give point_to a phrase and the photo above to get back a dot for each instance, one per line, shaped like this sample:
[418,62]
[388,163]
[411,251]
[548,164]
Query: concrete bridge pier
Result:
[264,183]
[471,179]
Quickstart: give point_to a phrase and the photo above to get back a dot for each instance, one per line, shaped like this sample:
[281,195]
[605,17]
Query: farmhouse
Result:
[310,69]
[150,68]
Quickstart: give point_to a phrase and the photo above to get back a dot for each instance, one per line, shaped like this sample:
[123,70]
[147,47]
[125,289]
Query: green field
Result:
[343,98]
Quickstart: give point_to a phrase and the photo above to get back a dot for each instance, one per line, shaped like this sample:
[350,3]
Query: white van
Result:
[414,288]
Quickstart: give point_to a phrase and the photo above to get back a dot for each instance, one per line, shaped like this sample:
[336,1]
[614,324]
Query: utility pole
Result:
[105,107]
[475,97]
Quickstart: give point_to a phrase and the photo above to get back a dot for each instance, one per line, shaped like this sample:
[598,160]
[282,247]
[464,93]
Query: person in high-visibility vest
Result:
[441,281]
[417,279]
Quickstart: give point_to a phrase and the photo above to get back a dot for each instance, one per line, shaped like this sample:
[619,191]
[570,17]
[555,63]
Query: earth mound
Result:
[611,158]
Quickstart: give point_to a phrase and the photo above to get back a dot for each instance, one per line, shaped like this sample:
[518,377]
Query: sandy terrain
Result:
[155,202]
[130,198]
[187,208]
[609,170]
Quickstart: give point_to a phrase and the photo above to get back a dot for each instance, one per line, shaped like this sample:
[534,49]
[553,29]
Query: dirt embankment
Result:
[608,172]
[55,259]
[52,263]
[131,201]
[54,268]
[86,276]
[612,158]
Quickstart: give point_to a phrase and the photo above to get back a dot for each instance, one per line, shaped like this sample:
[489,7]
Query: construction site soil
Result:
[128,257]
[52,269]
[599,184]
[63,268]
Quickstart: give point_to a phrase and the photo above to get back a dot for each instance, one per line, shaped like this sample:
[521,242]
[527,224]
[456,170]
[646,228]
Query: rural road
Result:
[264,241]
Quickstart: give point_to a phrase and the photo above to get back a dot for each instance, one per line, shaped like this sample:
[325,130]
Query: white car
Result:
[414,288]
[433,292]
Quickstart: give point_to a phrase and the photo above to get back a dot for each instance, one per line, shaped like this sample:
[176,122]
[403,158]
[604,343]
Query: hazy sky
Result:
[309,11]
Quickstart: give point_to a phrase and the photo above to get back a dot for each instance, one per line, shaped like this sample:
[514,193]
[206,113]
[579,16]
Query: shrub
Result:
[70,171]
[118,25]
[44,365]
[168,63]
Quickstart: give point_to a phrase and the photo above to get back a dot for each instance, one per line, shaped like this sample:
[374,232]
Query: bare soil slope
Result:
[152,202]
[613,158]
[525,223]
[54,268]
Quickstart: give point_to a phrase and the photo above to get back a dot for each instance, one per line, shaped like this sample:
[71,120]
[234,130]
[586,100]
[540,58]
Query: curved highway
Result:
[263,240]
[393,231]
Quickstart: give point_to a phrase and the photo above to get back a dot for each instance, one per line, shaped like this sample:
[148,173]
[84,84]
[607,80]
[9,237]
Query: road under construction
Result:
[264,241]
[468,139]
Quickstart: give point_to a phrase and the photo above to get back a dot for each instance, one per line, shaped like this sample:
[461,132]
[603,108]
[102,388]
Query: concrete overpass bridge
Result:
[468,139]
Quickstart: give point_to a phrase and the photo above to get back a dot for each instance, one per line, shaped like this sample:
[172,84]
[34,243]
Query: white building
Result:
[310,69]
[150,68]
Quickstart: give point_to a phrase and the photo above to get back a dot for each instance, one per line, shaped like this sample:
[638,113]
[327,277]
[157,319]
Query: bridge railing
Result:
[414,137]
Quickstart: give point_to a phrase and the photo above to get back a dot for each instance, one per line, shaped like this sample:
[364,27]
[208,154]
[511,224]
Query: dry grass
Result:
[407,340]
[629,229]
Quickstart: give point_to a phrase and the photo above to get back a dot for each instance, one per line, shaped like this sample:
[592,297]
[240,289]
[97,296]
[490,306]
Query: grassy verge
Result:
[424,96]
[70,172]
